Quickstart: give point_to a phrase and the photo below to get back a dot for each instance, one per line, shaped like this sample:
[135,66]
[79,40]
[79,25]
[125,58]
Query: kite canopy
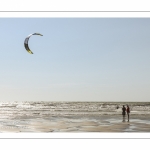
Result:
[26,42]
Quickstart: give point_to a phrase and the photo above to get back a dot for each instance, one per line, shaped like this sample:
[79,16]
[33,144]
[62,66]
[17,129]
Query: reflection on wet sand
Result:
[76,124]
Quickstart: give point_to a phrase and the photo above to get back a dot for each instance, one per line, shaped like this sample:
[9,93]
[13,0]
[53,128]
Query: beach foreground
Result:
[72,117]
[77,124]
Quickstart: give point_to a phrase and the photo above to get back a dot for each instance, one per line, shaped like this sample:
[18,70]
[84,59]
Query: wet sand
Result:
[79,123]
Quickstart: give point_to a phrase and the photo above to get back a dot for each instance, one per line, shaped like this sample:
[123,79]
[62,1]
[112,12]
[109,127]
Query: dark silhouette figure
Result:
[123,113]
[128,111]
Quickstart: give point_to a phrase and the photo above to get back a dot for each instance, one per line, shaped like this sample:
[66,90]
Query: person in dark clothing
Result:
[123,112]
[128,111]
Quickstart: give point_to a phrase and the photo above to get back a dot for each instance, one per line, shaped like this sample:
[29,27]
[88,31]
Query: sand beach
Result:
[72,117]
[77,124]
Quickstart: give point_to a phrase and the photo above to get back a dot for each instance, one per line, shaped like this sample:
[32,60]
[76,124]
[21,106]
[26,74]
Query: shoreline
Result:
[103,123]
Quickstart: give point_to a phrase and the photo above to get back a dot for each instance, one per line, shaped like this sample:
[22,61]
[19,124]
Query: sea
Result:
[43,109]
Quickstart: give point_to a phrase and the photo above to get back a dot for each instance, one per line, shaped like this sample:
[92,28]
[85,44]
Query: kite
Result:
[26,42]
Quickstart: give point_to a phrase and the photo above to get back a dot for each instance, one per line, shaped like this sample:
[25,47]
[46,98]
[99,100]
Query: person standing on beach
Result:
[128,111]
[123,112]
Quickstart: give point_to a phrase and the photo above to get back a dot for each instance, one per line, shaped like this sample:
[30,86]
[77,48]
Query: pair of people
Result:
[124,110]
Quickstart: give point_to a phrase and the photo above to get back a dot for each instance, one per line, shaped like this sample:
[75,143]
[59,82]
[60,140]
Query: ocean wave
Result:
[41,109]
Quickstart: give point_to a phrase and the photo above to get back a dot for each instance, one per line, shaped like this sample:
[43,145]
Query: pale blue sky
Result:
[76,59]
